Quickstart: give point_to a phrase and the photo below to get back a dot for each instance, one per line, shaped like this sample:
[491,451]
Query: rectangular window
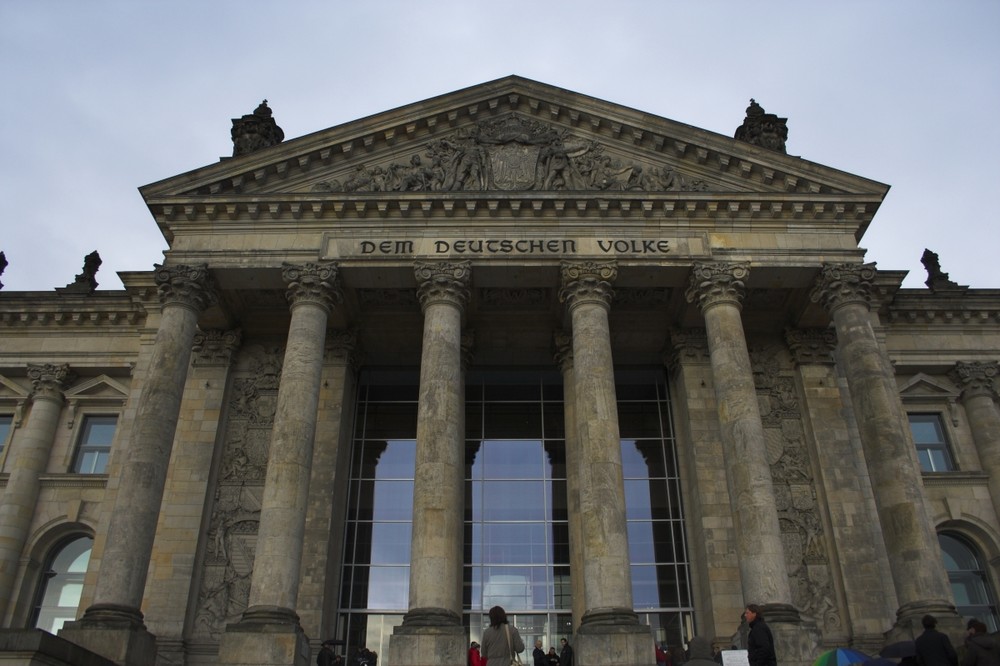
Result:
[932,447]
[6,422]
[94,447]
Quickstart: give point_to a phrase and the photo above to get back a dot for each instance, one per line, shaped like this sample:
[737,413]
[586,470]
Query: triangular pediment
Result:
[923,386]
[513,137]
[101,387]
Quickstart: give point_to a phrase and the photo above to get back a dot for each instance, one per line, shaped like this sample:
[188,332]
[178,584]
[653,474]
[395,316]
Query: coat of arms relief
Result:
[513,154]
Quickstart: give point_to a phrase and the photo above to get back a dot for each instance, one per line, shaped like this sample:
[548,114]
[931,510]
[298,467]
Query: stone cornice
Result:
[81,481]
[47,309]
[852,210]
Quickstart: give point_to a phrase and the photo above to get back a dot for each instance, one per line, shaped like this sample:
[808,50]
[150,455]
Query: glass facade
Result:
[516,517]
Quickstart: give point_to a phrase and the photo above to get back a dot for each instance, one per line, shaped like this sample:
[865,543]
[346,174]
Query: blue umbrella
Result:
[841,657]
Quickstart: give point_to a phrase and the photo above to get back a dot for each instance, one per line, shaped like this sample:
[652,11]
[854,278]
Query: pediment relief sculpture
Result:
[510,154]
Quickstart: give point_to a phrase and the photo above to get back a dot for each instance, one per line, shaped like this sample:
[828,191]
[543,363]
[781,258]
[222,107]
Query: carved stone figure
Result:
[85,282]
[936,278]
[512,153]
[763,129]
[255,131]
[3,265]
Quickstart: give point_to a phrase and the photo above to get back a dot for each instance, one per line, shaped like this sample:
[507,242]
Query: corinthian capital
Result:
[48,380]
[443,282]
[587,282]
[191,286]
[314,283]
[844,284]
[718,282]
[975,378]
[811,345]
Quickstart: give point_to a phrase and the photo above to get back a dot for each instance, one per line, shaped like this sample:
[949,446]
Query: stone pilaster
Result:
[28,461]
[609,629]
[847,290]
[432,631]
[113,624]
[564,358]
[718,289]
[168,586]
[979,397]
[269,631]
[855,539]
[717,591]
[324,532]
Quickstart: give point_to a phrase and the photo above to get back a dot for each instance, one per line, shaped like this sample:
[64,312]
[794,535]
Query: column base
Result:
[908,621]
[114,632]
[612,636]
[796,641]
[428,637]
[265,636]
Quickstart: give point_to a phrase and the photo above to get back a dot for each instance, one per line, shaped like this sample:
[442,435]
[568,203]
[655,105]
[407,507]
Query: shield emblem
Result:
[513,166]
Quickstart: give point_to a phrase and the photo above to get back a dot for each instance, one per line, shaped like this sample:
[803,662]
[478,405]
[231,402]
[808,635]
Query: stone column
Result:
[979,396]
[846,290]
[432,631]
[719,288]
[564,357]
[113,624]
[609,630]
[269,631]
[29,460]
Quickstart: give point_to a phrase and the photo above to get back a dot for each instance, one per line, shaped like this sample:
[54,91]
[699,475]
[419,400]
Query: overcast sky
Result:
[103,97]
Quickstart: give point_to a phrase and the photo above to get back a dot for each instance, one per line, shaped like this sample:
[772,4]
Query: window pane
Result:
[94,447]
[514,500]
[62,585]
[969,584]
[932,447]
[6,420]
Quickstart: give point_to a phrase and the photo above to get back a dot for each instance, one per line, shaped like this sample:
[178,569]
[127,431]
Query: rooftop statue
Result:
[85,282]
[936,278]
[763,129]
[255,131]
[3,265]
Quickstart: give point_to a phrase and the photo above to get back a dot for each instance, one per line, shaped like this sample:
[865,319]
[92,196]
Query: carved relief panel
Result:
[802,532]
[232,534]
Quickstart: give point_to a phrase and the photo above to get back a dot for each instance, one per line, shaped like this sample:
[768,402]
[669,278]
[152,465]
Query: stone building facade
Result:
[508,346]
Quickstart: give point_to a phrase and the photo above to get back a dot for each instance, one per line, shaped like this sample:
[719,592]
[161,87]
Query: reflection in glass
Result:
[62,585]
[516,532]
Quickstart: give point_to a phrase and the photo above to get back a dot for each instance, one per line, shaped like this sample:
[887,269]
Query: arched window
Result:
[62,584]
[969,584]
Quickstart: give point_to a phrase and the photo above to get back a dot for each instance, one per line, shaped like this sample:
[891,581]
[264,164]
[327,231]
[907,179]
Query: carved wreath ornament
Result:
[512,153]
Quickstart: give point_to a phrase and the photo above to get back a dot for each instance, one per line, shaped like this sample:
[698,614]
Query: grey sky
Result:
[103,97]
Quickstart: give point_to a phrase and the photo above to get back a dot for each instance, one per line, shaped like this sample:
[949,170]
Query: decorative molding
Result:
[716,283]
[845,284]
[314,283]
[976,378]
[216,347]
[811,346]
[443,282]
[689,345]
[49,380]
[587,282]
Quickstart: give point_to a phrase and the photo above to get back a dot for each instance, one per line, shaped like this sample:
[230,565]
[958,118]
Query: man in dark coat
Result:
[933,647]
[326,656]
[566,654]
[760,642]
[981,648]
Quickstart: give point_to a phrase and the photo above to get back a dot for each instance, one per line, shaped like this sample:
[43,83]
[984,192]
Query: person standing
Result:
[538,657]
[760,641]
[566,653]
[500,640]
[475,658]
[326,655]
[981,648]
[933,647]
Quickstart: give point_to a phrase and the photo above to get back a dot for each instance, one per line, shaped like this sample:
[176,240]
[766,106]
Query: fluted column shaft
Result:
[439,476]
[312,293]
[564,356]
[587,291]
[184,292]
[979,397]
[719,289]
[29,460]
[911,543]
